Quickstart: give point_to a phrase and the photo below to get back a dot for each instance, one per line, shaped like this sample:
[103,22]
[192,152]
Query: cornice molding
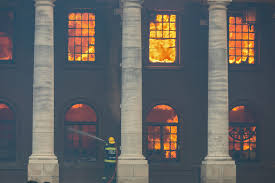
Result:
[44,2]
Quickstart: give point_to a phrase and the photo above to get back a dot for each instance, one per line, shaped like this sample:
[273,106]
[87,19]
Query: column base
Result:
[43,168]
[218,171]
[132,171]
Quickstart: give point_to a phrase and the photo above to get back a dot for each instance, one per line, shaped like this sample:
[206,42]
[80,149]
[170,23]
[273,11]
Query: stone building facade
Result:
[203,112]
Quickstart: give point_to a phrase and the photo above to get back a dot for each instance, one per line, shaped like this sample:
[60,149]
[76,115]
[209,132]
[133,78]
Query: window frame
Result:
[79,10]
[13,157]
[146,124]
[146,37]
[244,124]
[13,24]
[77,157]
[240,11]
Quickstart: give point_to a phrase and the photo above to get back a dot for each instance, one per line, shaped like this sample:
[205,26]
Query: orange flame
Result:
[241,41]
[250,144]
[3,106]
[77,106]
[238,108]
[162,42]
[169,139]
[5,47]
[81,40]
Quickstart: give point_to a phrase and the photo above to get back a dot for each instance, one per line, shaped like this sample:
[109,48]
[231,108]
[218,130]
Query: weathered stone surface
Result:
[43,164]
[218,166]
[132,166]
[218,171]
[43,168]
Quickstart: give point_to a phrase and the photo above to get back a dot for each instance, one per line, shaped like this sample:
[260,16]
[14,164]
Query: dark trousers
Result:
[109,173]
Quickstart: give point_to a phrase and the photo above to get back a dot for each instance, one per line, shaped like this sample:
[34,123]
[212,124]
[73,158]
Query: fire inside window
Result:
[81,36]
[162,39]
[242,39]
[161,128]
[242,134]
[83,118]
[6,32]
[7,133]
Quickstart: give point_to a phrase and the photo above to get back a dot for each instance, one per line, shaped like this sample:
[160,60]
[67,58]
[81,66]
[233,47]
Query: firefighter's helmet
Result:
[111,140]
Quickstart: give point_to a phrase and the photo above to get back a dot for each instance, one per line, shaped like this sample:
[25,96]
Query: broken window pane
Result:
[162,39]
[242,36]
[81,28]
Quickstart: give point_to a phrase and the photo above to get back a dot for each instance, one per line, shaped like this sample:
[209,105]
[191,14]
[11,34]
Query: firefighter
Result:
[110,160]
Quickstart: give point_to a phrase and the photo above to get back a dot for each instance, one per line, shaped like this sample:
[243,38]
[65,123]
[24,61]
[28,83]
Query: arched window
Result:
[83,118]
[242,134]
[7,133]
[161,133]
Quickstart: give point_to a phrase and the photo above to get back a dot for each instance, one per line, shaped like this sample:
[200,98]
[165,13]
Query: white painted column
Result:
[132,166]
[218,166]
[43,164]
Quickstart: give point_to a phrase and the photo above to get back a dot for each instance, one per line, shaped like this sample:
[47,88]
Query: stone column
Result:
[43,164]
[218,166]
[132,166]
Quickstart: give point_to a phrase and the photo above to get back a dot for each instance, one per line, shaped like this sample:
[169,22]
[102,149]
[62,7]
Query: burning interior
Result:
[242,134]
[162,125]
[6,35]
[81,36]
[83,118]
[241,41]
[162,39]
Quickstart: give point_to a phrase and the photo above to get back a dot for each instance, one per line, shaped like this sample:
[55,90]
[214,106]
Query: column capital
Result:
[139,2]
[219,1]
[44,2]
[215,4]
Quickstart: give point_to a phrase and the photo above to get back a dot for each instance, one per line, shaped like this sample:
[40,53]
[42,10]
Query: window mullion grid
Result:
[88,37]
[79,141]
[162,27]
[81,36]
[241,33]
[162,144]
[74,37]
[170,142]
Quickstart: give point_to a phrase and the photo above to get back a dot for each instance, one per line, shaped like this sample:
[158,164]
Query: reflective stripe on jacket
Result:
[110,153]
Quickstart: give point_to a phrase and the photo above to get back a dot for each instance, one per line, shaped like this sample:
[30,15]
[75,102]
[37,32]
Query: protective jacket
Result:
[110,153]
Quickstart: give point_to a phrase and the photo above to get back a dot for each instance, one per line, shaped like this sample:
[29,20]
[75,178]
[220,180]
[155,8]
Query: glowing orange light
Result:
[77,106]
[169,140]
[242,138]
[162,39]
[3,106]
[241,41]
[6,35]
[5,47]
[238,108]
[81,37]
[81,113]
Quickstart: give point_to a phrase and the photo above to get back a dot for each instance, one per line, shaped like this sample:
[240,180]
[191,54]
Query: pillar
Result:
[218,166]
[132,166]
[43,164]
